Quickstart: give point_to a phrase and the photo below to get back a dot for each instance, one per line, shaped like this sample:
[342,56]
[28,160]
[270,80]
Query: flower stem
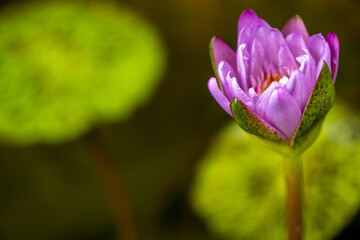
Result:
[113,186]
[294,193]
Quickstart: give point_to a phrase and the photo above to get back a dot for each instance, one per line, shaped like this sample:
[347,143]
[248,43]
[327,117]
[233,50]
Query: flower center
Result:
[265,82]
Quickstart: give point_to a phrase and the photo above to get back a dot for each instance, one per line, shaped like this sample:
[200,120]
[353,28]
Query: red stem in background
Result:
[114,188]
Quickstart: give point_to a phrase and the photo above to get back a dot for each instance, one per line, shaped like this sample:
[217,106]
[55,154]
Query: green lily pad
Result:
[239,189]
[67,65]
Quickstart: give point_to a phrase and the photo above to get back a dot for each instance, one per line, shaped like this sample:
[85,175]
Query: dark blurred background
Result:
[53,192]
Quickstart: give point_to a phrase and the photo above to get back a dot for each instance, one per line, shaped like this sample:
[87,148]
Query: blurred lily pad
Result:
[240,191]
[67,65]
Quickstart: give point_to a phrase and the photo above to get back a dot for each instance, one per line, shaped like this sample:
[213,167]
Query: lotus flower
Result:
[278,84]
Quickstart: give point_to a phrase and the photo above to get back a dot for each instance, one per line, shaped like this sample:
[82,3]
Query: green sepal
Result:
[321,100]
[213,64]
[251,122]
[212,55]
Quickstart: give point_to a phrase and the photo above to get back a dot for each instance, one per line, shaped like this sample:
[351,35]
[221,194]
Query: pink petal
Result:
[334,49]
[295,24]
[218,95]
[286,61]
[239,93]
[319,50]
[253,95]
[296,44]
[256,62]
[308,68]
[244,36]
[247,18]
[247,25]
[230,86]
[277,54]
[242,67]
[222,52]
[225,72]
[283,112]
[299,88]
[262,102]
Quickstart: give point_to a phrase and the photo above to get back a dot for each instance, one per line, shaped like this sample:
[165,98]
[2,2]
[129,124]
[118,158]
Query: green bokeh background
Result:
[52,192]
[247,183]
[67,65]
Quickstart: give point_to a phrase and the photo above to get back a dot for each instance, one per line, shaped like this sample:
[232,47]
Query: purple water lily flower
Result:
[272,73]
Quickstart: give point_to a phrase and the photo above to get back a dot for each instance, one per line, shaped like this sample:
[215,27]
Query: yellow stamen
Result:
[265,82]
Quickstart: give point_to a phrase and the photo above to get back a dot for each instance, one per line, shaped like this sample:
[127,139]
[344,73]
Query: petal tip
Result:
[247,18]
[214,40]
[220,51]
[219,96]
[248,11]
[332,38]
[211,82]
[332,34]
[297,17]
[295,24]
